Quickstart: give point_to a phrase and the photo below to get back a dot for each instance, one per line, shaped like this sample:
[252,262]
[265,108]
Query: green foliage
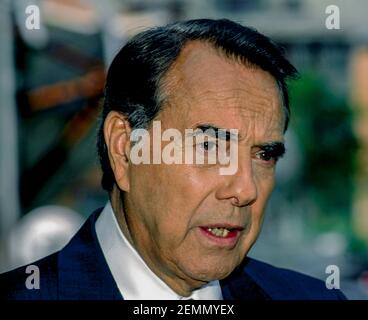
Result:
[322,121]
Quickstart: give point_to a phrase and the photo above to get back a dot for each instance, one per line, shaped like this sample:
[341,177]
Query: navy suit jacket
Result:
[80,272]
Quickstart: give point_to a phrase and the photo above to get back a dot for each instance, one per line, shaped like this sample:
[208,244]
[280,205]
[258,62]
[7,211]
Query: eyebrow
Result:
[275,148]
[215,132]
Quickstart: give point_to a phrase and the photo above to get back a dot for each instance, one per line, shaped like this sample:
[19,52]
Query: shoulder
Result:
[78,271]
[35,281]
[285,284]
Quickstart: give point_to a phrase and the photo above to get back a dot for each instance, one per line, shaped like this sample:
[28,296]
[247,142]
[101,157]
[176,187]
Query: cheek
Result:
[166,196]
[265,183]
[146,197]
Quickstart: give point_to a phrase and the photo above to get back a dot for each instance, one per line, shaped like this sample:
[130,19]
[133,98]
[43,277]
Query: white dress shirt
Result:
[135,280]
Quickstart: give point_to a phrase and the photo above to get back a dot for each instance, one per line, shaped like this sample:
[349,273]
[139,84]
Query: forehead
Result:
[204,86]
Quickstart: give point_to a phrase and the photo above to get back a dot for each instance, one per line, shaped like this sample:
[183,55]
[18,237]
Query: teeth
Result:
[219,232]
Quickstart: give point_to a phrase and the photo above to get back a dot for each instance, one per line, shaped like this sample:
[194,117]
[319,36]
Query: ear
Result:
[117,138]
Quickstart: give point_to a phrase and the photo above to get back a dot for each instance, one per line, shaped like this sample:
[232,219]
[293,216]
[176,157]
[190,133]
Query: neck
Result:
[180,285]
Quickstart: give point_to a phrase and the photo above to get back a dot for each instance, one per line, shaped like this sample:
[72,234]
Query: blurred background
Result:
[51,86]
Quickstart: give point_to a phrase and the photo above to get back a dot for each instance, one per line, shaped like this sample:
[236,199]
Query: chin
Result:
[209,271]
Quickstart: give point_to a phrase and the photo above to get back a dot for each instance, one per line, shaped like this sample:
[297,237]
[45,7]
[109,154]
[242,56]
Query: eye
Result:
[266,157]
[208,145]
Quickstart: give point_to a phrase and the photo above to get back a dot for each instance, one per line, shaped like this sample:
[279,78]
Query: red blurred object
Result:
[363,281]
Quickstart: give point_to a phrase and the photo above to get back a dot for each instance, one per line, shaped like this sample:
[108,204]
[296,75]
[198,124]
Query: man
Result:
[181,229]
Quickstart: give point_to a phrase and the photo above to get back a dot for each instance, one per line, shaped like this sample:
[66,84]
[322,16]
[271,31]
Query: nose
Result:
[240,188]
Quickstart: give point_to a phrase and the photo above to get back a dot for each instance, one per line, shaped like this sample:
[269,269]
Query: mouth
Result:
[222,234]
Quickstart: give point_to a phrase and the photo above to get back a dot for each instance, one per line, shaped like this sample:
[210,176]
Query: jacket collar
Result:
[83,270]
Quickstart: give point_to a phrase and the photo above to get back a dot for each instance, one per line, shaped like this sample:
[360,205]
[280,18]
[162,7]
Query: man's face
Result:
[171,209]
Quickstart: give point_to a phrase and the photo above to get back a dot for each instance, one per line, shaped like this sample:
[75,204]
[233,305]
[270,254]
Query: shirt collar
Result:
[135,280]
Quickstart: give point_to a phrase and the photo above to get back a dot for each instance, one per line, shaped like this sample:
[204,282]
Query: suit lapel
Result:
[83,270]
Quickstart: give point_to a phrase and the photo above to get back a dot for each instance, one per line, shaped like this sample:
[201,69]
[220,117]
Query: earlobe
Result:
[117,138]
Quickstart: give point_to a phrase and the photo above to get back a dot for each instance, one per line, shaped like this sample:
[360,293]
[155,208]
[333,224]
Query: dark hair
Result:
[133,80]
